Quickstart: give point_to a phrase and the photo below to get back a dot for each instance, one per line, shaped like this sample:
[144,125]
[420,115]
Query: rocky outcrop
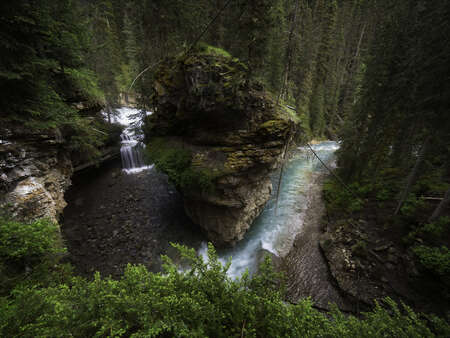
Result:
[365,265]
[233,133]
[34,173]
[306,269]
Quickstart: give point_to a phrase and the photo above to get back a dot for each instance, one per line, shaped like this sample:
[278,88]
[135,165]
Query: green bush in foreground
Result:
[200,302]
[29,254]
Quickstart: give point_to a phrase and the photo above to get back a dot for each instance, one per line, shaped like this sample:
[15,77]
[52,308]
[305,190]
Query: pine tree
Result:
[42,69]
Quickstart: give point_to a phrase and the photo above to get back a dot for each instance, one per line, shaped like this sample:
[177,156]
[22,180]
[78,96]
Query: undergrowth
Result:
[176,162]
[200,302]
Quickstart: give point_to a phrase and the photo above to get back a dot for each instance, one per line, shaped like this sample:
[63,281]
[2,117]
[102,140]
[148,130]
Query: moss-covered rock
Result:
[206,107]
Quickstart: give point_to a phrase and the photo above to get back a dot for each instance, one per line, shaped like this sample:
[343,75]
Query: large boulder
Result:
[218,136]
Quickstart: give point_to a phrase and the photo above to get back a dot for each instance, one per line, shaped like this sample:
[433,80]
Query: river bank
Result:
[306,269]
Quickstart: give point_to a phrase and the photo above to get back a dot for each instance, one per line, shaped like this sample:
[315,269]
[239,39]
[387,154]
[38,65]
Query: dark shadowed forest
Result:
[225,93]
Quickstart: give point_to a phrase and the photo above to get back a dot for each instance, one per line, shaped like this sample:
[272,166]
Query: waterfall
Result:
[132,147]
[275,232]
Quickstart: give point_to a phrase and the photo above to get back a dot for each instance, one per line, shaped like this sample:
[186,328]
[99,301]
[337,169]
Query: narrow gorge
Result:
[220,168]
[218,142]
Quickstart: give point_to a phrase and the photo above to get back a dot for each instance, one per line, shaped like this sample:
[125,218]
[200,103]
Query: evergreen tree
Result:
[42,69]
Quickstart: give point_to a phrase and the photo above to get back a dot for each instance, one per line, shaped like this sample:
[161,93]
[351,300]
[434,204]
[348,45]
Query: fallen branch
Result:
[432,198]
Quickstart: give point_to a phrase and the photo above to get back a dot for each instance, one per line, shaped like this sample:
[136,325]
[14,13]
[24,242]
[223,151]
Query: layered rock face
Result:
[34,173]
[235,137]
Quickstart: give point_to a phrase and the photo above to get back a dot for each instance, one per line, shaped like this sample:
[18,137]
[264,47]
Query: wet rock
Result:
[206,106]
[353,275]
[275,260]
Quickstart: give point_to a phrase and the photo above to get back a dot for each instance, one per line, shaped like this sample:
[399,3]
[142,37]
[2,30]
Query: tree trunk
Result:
[441,207]
[289,52]
[412,176]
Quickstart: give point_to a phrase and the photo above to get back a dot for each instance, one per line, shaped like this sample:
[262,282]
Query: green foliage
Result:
[124,78]
[200,302]
[177,164]
[42,67]
[431,232]
[432,183]
[204,48]
[28,242]
[339,199]
[407,48]
[434,259]
[383,195]
[436,229]
[44,73]
[84,82]
[412,205]
[27,251]
[360,248]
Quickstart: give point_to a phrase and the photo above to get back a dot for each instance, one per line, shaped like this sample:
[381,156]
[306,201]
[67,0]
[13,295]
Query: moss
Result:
[273,126]
[237,160]
[360,248]
[177,163]
[287,112]
[203,48]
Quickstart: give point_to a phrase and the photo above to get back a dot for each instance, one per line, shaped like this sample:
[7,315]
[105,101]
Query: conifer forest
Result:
[225,168]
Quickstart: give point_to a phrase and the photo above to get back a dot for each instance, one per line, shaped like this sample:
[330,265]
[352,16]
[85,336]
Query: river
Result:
[130,213]
[275,229]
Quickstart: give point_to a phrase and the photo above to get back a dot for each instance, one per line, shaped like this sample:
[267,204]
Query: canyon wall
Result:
[234,135]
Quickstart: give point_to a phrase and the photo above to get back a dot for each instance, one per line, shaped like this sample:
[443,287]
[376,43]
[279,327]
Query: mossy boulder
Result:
[232,131]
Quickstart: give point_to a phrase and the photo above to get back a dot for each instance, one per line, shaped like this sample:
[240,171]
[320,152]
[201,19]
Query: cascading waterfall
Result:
[131,149]
[131,153]
[275,231]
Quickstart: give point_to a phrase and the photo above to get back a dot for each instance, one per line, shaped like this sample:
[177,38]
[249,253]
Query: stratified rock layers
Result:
[34,173]
[205,104]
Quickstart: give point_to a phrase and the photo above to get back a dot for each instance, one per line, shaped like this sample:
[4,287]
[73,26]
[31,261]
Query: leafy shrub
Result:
[28,243]
[412,205]
[27,251]
[431,232]
[176,163]
[200,302]
[432,182]
[338,198]
[436,229]
[383,195]
[434,259]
